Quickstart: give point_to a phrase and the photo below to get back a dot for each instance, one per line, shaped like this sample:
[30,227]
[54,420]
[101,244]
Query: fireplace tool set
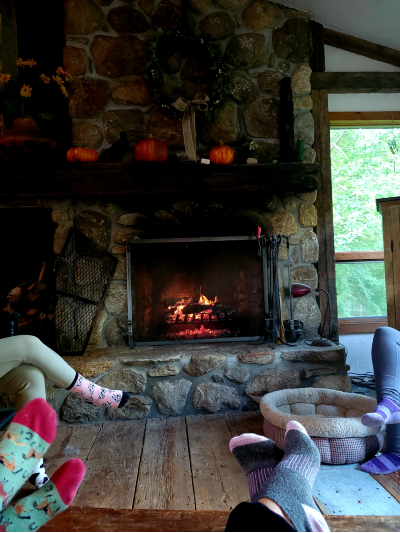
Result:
[276,328]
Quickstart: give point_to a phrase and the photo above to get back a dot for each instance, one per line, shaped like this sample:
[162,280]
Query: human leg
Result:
[27,438]
[386,362]
[255,516]
[287,491]
[23,349]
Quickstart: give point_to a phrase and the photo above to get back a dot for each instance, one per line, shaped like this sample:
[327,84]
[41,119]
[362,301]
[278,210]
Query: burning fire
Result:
[205,301]
[201,333]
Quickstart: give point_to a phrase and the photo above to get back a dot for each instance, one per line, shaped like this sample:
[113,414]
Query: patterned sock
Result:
[39,476]
[387,412]
[26,440]
[258,456]
[30,513]
[383,464]
[97,395]
[291,484]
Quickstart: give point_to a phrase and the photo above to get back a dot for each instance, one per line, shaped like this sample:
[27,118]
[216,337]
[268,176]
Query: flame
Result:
[205,301]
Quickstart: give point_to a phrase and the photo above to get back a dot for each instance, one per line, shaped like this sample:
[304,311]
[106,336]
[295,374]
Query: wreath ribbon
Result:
[189,108]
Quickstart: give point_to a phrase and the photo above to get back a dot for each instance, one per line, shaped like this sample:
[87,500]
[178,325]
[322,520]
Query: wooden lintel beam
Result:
[356,82]
[362,47]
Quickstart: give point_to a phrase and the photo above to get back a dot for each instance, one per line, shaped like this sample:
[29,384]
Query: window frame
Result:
[354,120]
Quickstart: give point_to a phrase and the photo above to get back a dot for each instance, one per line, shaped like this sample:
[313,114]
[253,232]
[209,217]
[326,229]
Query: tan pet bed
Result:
[332,419]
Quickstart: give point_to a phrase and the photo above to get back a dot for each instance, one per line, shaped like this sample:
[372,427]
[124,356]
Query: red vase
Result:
[26,138]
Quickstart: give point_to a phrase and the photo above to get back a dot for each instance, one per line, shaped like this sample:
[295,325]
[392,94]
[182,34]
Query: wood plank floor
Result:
[176,465]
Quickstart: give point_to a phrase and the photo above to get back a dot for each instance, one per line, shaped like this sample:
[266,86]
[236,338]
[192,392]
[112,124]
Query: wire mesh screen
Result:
[83,273]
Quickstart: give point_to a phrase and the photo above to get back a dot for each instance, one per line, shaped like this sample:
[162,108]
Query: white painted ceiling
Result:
[377,21]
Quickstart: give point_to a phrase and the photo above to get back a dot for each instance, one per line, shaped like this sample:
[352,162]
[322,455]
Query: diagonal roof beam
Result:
[362,47]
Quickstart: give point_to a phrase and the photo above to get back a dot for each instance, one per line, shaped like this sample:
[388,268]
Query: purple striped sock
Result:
[383,464]
[387,412]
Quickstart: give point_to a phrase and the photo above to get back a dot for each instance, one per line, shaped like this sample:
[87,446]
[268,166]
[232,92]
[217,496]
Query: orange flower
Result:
[64,91]
[44,78]
[31,63]
[4,78]
[58,80]
[26,90]
[62,72]
[21,63]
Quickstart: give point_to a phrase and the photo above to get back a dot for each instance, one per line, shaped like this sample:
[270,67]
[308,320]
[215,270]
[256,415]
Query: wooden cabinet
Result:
[390,211]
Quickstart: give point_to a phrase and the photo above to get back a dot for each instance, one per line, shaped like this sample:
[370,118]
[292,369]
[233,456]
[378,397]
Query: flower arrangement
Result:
[32,94]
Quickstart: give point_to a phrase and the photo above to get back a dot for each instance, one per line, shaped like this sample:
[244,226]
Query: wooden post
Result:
[326,262]
[317,63]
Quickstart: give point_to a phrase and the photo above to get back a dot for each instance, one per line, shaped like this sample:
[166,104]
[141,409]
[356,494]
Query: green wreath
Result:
[185,42]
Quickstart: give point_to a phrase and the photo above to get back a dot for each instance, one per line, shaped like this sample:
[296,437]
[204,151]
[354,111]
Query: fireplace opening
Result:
[195,290]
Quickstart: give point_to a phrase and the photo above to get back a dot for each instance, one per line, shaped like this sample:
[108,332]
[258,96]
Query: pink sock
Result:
[68,478]
[97,395]
[38,416]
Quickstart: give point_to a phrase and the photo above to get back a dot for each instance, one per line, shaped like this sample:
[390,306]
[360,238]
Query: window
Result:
[365,166]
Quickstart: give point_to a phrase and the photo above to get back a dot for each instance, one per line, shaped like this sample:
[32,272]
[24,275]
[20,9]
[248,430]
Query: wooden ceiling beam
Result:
[356,82]
[362,47]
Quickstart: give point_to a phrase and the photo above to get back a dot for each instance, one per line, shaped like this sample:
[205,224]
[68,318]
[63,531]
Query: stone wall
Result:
[106,46]
[198,379]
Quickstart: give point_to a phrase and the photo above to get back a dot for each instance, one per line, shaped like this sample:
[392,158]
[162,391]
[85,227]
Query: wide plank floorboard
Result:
[218,480]
[239,423]
[112,466]
[165,479]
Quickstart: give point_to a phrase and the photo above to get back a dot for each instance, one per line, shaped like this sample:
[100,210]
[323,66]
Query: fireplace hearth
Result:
[194,290]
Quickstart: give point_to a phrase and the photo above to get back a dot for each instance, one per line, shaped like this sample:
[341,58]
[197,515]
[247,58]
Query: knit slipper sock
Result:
[30,513]
[387,412]
[291,484]
[26,440]
[39,476]
[383,464]
[97,395]
[258,456]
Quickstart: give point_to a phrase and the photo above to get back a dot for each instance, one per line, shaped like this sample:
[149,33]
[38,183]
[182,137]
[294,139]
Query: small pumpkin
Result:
[222,154]
[151,150]
[82,155]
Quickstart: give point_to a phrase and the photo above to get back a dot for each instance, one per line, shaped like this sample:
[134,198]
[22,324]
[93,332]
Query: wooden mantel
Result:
[36,180]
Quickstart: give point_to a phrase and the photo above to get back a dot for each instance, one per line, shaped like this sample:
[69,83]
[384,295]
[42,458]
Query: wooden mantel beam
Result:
[356,82]
[362,47]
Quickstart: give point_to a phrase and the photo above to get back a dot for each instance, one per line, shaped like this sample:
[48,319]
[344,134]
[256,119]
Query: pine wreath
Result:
[185,42]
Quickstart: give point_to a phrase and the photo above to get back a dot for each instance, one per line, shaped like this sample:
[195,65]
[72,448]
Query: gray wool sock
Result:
[291,484]
[258,456]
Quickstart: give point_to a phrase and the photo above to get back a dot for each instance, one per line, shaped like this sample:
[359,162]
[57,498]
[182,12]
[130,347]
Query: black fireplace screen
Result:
[83,273]
[195,290]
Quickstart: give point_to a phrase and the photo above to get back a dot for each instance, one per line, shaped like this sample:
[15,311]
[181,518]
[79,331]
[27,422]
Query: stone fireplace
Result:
[115,204]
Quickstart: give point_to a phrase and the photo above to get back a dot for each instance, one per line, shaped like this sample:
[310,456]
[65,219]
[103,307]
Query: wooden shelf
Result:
[35,180]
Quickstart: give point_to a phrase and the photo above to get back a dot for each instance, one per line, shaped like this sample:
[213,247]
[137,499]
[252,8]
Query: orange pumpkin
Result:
[151,150]
[222,154]
[83,155]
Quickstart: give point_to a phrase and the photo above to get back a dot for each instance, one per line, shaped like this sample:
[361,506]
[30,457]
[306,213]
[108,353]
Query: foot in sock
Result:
[258,456]
[290,486]
[30,513]
[39,476]
[26,440]
[383,464]
[387,412]
[97,395]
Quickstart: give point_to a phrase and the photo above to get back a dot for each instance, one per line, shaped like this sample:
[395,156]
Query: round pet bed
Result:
[332,419]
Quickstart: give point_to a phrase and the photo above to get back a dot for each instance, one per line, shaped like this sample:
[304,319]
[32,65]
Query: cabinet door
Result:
[391,241]
[8,38]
